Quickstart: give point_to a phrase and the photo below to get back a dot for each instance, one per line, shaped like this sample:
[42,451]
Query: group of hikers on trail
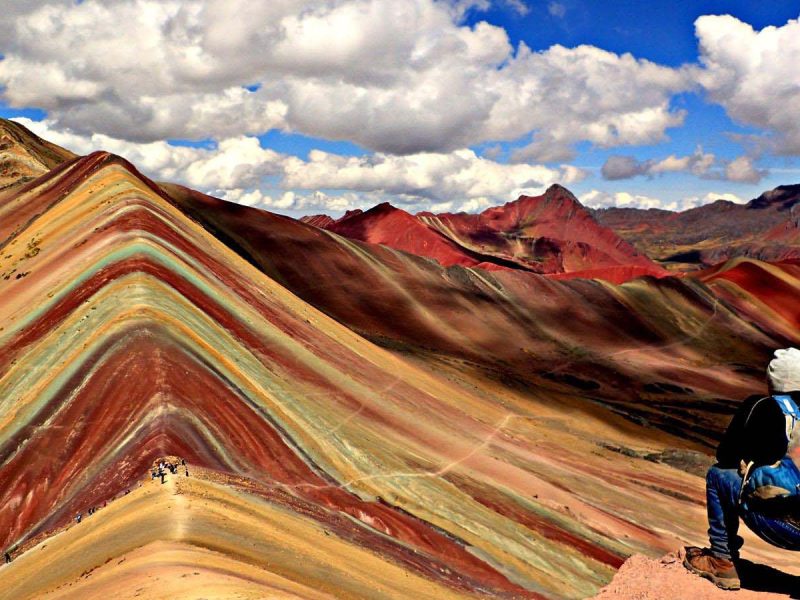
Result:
[91,511]
[163,467]
[756,477]
[159,471]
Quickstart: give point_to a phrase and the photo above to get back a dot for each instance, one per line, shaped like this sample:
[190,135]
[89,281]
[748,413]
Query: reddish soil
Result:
[321,221]
[395,228]
[551,233]
[643,578]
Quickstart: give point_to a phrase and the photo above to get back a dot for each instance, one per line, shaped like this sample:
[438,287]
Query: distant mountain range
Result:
[554,234]
[548,234]
[767,228]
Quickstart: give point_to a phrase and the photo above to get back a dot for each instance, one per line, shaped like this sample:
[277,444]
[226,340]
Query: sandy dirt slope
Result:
[642,578]
[195,537]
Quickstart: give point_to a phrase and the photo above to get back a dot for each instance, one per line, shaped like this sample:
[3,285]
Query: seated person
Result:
[754,450]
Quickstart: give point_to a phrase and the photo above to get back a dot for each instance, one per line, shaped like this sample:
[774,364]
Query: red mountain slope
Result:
[321,221]
[395,228]
[128,333]
[552,233]
[553,229]
[760,290]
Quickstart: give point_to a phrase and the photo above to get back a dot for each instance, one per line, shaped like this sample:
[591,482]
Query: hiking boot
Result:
[720,571]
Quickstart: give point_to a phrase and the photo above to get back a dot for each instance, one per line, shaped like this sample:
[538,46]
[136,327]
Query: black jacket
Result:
[756,433]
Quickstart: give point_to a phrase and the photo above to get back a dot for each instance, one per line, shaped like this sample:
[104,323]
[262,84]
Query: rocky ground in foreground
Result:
[643,578]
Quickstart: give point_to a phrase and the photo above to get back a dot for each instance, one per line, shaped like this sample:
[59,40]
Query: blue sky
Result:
[663,32]
[423,103]
[659,30]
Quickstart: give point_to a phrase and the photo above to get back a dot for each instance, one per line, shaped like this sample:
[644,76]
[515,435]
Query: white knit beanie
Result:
[784,370]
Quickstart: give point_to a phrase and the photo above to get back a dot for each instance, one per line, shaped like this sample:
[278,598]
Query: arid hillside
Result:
[550,234]
[766,228]
[355,420]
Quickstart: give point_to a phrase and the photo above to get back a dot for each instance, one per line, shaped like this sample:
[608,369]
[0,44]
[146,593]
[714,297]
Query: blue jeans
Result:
[722,502]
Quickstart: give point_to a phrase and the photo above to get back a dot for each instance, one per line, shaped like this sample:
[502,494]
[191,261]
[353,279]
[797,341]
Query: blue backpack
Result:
[782,479]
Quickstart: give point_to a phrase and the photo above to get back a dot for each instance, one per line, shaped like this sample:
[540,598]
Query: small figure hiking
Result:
[756,478]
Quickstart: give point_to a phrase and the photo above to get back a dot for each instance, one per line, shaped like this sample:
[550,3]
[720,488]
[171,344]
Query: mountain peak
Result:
[554,192]
[555,204]
[379,216]
[24,155]
[383,207]
[557,188]
[350,214]
[322,221]
[783,197]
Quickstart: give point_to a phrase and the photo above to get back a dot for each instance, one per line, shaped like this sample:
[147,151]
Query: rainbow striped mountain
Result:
[356,420]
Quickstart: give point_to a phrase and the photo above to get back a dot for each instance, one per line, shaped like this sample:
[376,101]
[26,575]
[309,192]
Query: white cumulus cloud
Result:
[292,201]
[754,75]
[438,176]
[232,163]
[702,164]
[601,199]
[695,201]
[241,170]
[743,170]
[395,77]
